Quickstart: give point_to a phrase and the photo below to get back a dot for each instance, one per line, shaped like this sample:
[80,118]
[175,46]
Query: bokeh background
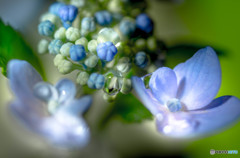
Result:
[213,23]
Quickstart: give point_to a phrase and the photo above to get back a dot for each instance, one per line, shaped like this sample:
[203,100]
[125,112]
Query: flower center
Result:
[174,105]
[48,94]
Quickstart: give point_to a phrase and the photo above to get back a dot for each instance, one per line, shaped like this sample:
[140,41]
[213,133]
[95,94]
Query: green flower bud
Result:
[65,67]
[65,49]
[82,41]
[126,86]
[109,98]
[60,33]
[152,43]
[57,59]
[108,34]
[151,68]
[124,65]
[82,78]
[43,46]
[140,44]
[115,6]
[52,18]
[77,3]
[91,61]
[72,34]
[92,46]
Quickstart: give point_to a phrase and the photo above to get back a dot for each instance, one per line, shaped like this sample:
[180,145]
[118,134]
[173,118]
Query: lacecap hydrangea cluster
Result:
[106,41]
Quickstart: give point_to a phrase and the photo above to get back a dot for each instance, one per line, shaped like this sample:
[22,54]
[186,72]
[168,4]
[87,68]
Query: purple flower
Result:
[50,111]
[182,99]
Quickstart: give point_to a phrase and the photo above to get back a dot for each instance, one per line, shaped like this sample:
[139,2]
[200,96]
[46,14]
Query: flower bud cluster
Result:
[105,45]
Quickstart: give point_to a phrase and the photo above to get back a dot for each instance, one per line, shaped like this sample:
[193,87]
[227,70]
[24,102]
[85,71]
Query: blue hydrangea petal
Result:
[163,84]
[66,90]
[22,78]
[199,79]
[219,114]
[77,107]
[147,98]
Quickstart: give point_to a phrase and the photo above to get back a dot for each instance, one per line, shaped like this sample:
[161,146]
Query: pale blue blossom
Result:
[51,111]
[182,99]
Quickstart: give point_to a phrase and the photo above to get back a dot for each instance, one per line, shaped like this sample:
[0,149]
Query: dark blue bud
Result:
[46,28]
[144,23]
[106,51]
[77,52]
[103,18]
[141,59]
[54,8]
[68,13]
[127,27]
[96,81]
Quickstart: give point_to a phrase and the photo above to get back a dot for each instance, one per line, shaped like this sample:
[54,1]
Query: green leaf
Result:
[129,109]
[13,46]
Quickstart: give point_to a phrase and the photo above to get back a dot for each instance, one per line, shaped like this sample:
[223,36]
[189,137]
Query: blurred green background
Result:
[213,23]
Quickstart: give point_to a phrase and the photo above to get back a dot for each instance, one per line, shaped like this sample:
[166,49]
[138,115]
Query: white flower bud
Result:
[78,3]
[91,61]
[82,78]
[82,41]
[92,46]
[124,65]
[72,34]
[115,6]
[52,18]
[57,59]
[43,46]
[65,49]
[108,34]
[65,67]
[60,33]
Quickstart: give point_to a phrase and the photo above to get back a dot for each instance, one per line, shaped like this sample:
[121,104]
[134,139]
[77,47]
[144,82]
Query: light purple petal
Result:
[22,77]
[62,130]
[219,114]
[163,84]
[77,107]
[146,97]
[199,79]
[66,90]
[26,116]
[65,130]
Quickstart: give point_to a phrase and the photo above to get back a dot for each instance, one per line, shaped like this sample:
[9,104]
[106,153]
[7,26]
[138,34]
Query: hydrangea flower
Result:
[182,99]
[103,18]
[141,59]
[46,28]
[50,111]
[68,13]
[144,23]
[77,52]
[96,81]
[106,51]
